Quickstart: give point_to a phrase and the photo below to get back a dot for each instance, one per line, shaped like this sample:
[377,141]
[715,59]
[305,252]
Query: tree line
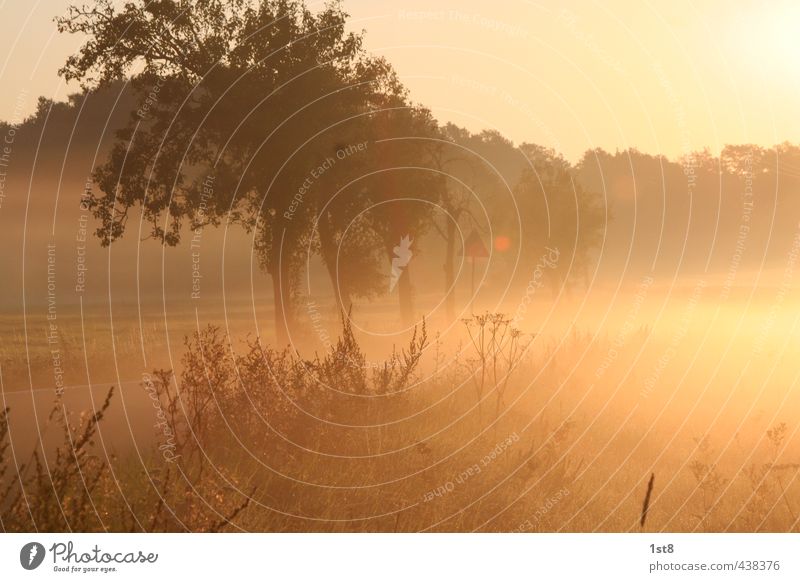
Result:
[315,148]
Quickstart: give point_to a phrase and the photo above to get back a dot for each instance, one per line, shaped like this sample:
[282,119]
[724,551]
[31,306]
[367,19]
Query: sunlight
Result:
[768,38]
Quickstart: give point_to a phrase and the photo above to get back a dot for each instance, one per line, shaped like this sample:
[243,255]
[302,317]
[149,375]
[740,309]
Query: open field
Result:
[557,430]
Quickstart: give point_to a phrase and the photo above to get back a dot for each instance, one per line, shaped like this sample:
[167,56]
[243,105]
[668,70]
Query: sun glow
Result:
[769,38]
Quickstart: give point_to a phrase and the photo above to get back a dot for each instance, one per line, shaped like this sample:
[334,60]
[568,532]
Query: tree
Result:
[557,212]
[474,177]
[403,187]
[381,194]
[744,160]
[241,104]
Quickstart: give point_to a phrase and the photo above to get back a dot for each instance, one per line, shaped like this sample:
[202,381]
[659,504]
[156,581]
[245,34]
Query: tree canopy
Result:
[245,110]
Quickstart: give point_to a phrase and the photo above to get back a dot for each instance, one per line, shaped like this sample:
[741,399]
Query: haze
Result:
[663,77]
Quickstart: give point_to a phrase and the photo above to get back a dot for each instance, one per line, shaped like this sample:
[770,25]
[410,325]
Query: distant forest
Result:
[611,215]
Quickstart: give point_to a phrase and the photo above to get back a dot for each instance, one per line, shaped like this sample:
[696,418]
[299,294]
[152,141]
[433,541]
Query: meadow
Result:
[488,424]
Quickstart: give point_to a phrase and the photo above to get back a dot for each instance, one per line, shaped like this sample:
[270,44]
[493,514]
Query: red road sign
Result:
[474,247]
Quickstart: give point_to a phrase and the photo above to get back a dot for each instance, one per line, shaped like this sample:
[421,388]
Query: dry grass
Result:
[506,435]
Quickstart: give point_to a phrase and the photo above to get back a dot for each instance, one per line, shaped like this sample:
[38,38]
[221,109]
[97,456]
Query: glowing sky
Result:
[663,77]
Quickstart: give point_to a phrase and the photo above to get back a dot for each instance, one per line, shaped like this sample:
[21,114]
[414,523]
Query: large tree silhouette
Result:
[243,105]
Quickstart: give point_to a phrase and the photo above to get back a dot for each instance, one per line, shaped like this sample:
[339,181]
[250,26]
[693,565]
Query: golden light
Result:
[502,243]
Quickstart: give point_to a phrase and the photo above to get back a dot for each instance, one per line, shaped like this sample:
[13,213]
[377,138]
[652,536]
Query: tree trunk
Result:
[328,250]
[449,272]
[340,291]
[405,295]
[343,300]
[284,316]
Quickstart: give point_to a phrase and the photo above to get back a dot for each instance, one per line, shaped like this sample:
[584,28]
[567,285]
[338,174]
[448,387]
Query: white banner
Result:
[400,557]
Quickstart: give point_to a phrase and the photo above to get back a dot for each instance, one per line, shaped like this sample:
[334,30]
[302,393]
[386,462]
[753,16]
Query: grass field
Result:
[477,426]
